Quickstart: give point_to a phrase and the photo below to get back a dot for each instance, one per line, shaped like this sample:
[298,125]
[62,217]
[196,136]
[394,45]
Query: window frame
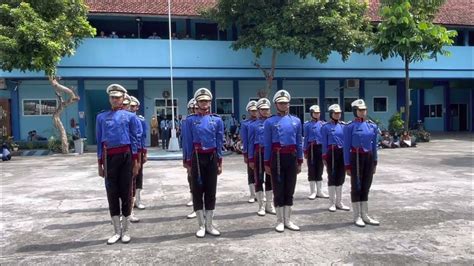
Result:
[225,98]
[40,104]
[373,104]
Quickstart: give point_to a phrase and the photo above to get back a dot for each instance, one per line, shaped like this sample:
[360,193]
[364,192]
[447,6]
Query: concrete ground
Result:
[54,210]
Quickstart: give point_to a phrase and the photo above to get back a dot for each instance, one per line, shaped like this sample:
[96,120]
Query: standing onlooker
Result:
[154,36]
[165,129]
[114,35]
[6,156]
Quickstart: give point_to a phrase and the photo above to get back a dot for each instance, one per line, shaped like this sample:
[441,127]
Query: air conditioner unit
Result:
[3,84]
[352,84]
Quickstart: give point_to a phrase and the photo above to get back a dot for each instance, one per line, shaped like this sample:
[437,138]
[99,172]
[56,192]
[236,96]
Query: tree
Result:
[36,34]
[306,28]
[407,30]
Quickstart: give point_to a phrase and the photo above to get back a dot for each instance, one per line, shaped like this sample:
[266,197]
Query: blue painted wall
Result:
[43,124]
[200,59]
[376,88]
[5,94]
[434,96]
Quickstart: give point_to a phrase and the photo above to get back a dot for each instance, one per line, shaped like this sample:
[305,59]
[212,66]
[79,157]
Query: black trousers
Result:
[250,175]
[204,186]
[190,182]
[118,183]
[284,184]
[315,163]
[138,180]
[260,175]
[335,167]
[360,185]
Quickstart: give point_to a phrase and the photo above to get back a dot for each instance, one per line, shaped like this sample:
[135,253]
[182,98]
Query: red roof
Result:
[453,12]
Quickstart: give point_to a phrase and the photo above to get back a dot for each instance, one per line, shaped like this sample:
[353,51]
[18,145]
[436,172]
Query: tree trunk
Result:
[271,75]
[60,89]
[407,92]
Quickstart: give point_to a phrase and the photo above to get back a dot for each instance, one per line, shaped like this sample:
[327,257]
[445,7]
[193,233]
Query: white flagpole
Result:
[174,144]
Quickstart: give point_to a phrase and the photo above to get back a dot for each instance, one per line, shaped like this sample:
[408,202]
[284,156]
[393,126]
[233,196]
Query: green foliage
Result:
[407,30]
[36,34]
[395,124]
[307,28]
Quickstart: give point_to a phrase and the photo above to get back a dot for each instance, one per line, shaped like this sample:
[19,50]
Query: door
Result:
[5,122]
[463,123]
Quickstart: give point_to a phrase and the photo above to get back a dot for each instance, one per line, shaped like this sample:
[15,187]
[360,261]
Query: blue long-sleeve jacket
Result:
[144,132]
[244,135]
[255,136]
[205,130]
[117,128]
[312,133]
[332,134]
[360,134]
[285,131]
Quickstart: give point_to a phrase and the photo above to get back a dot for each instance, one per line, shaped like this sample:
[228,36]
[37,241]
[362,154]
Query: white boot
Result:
[280,227]
[356,210]
[269,208]
[288,223]
[191,215]
[312,189]
[201,221]
[139,203]
[339,204]
[319,191]
[332,198]
[133,218]
[209,225]
[252,193]
[190,202]
[117,231]
[365,214]
[261,205]
[125,230]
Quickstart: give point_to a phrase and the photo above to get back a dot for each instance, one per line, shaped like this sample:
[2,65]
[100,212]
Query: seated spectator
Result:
[6,156]
[406,140]
[33,136]
[187,37]
[238,146]
[113,35]
[396,141]
[102,35]
[203,37]
[154,36]
[387,140]
[173,36]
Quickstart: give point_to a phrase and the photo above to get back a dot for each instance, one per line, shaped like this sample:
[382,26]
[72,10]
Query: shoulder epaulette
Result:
[141,117]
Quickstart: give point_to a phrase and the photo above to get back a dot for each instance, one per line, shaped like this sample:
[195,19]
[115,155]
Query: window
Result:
[206,31]
[347,104]
[308,102]
[380,104]
[471,38]
[331,101]
[163,107]
[224,106]
[39,107]
[459,40]
[433,110]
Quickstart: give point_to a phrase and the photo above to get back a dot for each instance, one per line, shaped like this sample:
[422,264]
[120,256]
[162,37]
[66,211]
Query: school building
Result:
[136,55]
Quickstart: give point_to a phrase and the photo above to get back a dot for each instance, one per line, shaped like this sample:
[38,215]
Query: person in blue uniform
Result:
[142,151]
[313,153]
[131,107]
[360,159]
[255,158]
[244,136]
[192,107]
[204,143]
[332,137]
[283,156]
[117,153]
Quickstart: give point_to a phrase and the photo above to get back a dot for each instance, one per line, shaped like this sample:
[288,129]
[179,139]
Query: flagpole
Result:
[174,144]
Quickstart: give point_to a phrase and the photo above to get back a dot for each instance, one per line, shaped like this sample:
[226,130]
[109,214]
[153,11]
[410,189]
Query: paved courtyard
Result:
[54,210]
